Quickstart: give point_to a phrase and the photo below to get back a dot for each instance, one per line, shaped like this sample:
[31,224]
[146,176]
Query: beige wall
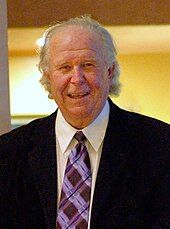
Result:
[145,89]
[146,82]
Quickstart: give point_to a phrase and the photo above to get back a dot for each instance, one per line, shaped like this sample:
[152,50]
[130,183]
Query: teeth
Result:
[78,95]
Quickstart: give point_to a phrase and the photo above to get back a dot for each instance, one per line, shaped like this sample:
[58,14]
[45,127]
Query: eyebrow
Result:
[66,61]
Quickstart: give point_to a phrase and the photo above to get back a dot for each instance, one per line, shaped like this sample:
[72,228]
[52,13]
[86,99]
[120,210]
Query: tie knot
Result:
[79,136]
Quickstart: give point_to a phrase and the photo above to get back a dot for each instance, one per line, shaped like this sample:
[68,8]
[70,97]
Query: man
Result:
[126,186]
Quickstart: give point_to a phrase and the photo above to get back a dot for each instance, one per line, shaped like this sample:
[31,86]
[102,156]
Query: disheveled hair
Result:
[92,25]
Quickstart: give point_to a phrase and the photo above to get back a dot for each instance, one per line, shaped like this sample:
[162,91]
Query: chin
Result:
[80,112]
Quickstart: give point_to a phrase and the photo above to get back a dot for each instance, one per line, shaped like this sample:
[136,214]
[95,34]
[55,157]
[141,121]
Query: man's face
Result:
[78,75]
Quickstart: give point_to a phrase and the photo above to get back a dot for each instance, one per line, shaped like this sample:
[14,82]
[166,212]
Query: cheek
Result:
[95,80]
[58,82]
[101,82]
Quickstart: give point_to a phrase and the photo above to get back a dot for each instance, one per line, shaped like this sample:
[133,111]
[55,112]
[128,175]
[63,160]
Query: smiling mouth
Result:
[78,95]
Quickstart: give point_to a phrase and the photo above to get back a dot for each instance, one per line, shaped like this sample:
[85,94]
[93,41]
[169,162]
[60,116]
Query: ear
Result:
[111,72]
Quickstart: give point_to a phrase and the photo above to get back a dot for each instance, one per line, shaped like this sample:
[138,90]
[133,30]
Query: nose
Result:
[77,75]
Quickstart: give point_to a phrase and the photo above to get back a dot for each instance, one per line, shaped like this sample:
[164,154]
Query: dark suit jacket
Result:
[131,187]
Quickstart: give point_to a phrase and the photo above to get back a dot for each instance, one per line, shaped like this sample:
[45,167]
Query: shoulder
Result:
[145,125]
[21,137]
[139,130]
[136,121]
[149,131]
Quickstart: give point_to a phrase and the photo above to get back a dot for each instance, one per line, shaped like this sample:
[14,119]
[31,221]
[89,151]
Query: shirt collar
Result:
[95,132]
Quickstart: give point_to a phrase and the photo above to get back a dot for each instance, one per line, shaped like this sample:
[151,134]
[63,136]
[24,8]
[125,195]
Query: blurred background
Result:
[141,29]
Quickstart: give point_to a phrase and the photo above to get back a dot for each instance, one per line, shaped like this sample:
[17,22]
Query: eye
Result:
[65,68]
[88,65]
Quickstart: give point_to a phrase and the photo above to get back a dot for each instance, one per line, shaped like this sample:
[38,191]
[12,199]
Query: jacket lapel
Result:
[42,163]
[112,162]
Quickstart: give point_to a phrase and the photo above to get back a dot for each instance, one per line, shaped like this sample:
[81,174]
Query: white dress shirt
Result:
[94,133]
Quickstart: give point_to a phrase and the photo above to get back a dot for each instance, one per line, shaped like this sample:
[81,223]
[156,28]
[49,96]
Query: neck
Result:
[78,123]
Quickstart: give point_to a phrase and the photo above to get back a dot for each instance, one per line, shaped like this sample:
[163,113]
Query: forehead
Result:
[75,38]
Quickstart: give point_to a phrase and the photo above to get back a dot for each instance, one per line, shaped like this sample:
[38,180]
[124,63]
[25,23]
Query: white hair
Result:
[88,23]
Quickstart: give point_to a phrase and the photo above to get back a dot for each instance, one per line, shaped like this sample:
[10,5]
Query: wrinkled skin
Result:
[78,75]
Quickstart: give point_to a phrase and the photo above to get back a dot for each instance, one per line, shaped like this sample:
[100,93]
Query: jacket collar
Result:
[112,162]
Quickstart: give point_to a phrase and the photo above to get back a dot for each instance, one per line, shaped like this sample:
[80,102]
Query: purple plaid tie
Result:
[75,195]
